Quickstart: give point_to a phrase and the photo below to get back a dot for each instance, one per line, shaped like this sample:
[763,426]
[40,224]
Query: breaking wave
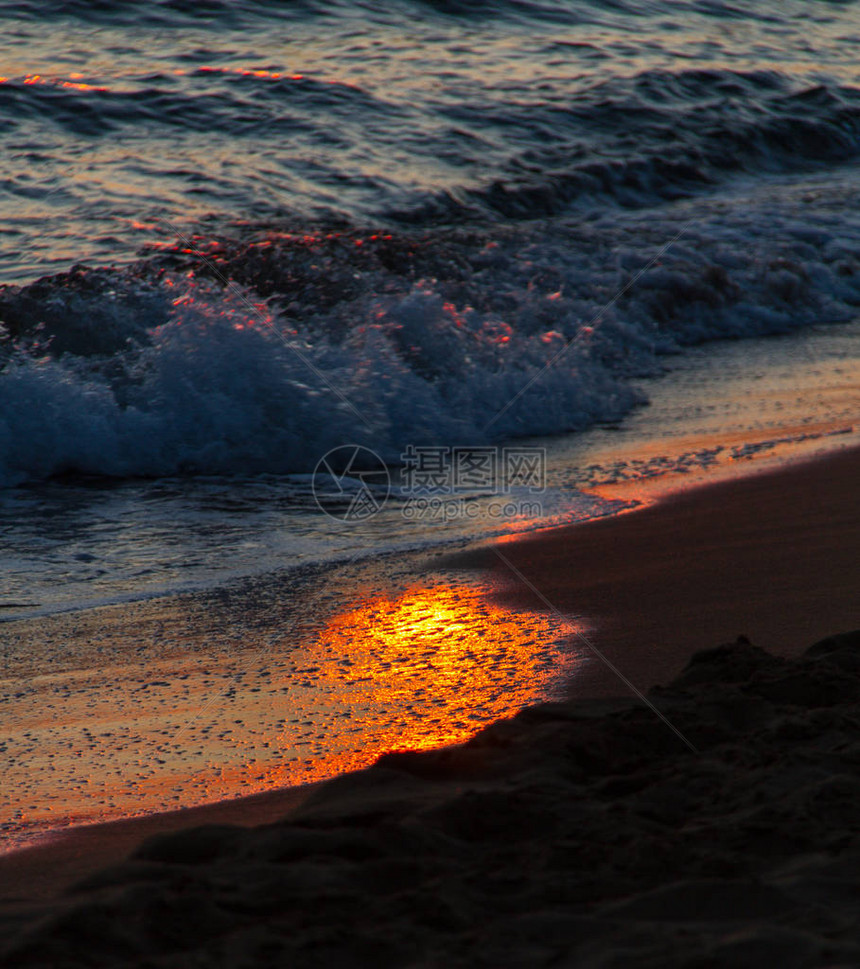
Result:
[382,339]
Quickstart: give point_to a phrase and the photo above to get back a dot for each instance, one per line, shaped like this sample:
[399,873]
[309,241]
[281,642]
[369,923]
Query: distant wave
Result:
[236,11]
[655,137]
[231,12]
[644,140]
[124,117]
[152,12]
[239,101]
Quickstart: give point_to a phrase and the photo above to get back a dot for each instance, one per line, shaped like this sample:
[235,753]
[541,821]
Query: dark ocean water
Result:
[122,119]
[417,206]
[434,198]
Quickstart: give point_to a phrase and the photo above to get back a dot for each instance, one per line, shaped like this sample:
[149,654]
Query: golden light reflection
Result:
[73,83]
[246,72]
[414,669]
[429,667]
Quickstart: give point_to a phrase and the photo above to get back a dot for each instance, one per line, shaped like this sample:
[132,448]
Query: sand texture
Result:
[772,556]
[580,834]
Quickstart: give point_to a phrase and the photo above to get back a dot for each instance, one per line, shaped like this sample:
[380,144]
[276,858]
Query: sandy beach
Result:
[429,484]
[770,556]
[580,833]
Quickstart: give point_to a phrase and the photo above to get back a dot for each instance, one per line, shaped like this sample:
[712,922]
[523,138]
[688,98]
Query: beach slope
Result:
[582,833]
[577,833]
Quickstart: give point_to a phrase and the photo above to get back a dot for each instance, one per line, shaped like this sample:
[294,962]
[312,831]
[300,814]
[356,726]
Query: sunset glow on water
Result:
[414,669]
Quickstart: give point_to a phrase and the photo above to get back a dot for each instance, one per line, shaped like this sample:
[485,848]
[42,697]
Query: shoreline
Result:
[832,479]
[571,834]
[769,555]
[34,874]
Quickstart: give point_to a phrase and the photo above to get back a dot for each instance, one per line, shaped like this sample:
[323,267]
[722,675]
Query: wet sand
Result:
[134,710]
[774,557]
[578,833]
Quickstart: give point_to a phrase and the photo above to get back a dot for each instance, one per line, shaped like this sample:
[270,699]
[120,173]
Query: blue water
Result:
[123,119]
[236,235]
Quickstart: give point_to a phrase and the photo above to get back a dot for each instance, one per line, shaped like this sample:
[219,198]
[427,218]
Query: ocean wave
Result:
[658,136]
[216,390]
[386,340]
[325,145]
[238,12]
[154,12]
[241,101]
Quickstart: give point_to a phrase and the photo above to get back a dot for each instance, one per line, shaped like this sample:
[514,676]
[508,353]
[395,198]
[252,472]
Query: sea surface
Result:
[236,236]
[262,261]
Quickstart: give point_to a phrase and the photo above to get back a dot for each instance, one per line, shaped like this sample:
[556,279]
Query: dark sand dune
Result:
[575,834]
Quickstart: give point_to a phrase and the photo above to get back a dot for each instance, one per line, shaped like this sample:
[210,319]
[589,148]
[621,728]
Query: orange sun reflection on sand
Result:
[429,667]
[417,668]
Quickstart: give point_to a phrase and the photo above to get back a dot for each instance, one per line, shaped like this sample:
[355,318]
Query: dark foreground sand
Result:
[567,836]
[582,833]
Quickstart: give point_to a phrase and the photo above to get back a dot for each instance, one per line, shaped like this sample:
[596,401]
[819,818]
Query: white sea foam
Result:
[539,331]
